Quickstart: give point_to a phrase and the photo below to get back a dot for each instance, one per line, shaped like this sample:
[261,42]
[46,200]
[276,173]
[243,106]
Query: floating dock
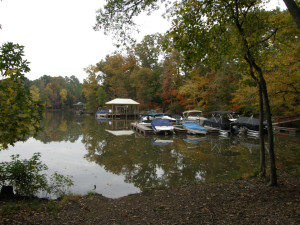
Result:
[141,128]
[144,129]
[289,130]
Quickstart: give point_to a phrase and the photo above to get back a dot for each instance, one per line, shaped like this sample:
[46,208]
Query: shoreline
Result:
[243,201]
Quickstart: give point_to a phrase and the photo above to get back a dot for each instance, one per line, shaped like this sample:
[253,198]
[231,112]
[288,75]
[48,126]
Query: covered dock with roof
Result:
[123,107]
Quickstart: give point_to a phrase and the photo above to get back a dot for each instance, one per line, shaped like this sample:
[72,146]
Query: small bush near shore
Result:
[27,180]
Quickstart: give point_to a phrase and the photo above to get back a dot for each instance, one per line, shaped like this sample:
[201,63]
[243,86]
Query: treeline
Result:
[158,76]
[57,92]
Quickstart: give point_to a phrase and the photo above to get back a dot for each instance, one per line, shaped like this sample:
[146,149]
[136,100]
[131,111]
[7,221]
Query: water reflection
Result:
[140,162]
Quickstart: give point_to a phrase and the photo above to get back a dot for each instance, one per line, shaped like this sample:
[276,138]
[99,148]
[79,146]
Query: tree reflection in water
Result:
[155,161]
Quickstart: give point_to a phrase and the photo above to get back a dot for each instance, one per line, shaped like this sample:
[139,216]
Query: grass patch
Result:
[12,207]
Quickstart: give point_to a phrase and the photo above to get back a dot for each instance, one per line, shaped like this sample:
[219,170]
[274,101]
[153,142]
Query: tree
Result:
[63,96]
[101,96]
[115,73]
[117,17]
[35,93]
[90,89]
[149,50]
[294,10]
[73,87]
[19,112]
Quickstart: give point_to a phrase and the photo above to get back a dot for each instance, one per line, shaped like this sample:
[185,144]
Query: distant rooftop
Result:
[79,103]
[122,101]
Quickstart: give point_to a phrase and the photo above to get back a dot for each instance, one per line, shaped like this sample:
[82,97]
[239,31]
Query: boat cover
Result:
[224,112]
[249,122]
[217,122]
[160,122]
[194,126]
[101,112]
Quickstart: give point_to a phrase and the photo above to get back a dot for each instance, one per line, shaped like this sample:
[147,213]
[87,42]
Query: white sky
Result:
[58,35]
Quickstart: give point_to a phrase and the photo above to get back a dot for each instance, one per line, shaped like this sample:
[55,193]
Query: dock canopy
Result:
[122,101]
[79,104]
[123,107]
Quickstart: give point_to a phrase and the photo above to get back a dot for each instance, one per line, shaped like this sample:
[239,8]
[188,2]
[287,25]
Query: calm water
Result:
[93,154]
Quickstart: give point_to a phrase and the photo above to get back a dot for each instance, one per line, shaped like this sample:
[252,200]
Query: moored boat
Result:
[162,126]
[101,114]
[194,128]
[250,125]
[151,116]
[194,115]
[222,121]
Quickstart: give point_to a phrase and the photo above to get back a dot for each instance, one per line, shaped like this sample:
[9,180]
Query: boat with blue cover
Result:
[194,128]
[162,126]
[101,113]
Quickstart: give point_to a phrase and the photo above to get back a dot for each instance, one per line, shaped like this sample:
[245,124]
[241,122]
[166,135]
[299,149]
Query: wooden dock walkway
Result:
[281,120]
[141,128]
[289,130]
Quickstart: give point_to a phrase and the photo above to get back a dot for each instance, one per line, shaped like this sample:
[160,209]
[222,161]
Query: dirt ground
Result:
[245,201]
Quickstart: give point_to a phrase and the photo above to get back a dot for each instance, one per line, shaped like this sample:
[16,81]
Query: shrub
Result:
[26,178]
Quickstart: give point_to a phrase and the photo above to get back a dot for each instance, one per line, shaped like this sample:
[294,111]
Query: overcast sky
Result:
[58,35]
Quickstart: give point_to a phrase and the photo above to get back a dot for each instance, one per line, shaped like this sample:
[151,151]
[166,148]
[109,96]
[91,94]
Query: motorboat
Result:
[174,118]
[162,126]
[222,121]
[194,115]
[250,125]
[194,128]
[101,114]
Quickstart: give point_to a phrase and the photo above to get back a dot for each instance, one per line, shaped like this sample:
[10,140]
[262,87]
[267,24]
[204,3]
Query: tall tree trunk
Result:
[262,82]
[262,158]
[294,11]
[262,171]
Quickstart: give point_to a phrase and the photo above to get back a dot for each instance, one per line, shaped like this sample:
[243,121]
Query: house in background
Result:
[123,108]
[79,108]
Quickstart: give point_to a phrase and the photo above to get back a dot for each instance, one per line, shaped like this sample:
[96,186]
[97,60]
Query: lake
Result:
[124,163]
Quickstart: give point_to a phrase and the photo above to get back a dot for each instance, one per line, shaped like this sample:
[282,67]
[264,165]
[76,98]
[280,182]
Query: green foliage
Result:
[26,178]
[101,96]
[90,89]
[57,92]
[24,175]
[59,184]
[19,112]
[117,18]
[149,50]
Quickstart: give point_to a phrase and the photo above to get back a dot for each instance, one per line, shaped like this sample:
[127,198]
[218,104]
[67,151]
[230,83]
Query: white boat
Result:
[101,114]
[194,115]
[171,117]
[162,126]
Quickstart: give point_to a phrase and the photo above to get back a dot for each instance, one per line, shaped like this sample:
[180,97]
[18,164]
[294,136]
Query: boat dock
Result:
[144,129]
[141,128]
[289,130]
